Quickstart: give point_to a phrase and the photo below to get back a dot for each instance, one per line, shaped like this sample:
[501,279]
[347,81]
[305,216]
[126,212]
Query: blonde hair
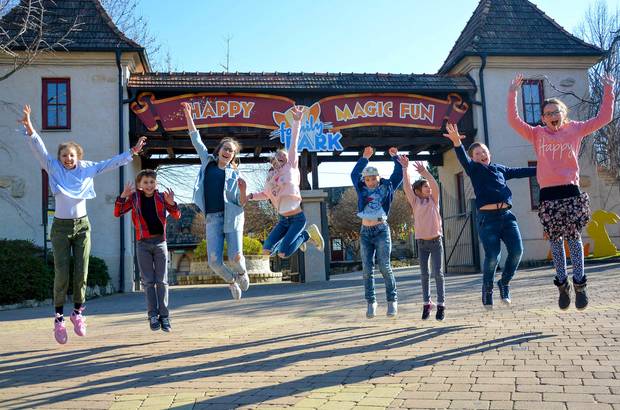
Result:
[235,160]
[71,145]
[473,146]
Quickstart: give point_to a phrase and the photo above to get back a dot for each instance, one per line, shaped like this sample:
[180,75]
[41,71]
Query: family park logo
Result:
[312,136]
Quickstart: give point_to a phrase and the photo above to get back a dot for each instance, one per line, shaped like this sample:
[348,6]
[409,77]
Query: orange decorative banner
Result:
[210,110]
[391,109]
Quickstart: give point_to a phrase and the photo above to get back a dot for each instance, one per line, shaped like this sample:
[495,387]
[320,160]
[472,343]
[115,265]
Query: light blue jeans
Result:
[215,248]
[376,240]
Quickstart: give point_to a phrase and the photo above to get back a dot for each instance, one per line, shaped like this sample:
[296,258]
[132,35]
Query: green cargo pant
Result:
[70,237]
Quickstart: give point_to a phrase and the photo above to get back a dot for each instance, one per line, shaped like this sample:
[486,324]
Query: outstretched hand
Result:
[25,121]
[609,80]
[368,151]
[419,167]
[298,113]
[403,160]
[187,109]
[516,83]
[169,196]
[139,145]
[127,191]
[243,186]
[453,134]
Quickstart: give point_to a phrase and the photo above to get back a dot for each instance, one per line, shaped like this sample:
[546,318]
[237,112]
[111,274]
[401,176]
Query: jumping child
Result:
[564,210]
[423,197]
[148,213]
[217,192]
[71,183]
[282,189]
[496,223]
[374,198]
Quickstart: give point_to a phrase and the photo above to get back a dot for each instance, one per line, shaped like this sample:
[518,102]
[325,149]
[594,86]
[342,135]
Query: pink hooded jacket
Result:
[284,181]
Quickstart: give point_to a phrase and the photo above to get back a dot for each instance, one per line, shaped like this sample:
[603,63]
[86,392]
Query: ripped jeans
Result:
[215,248]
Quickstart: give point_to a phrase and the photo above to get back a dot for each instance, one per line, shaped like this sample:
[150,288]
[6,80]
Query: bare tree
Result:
[27,33]
[601,27]
[125,15]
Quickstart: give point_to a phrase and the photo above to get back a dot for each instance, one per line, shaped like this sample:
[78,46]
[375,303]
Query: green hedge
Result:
[251,246]
[24,274]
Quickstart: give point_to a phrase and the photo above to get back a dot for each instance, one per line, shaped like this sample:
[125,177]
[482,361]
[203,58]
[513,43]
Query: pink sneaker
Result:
[60,331]
[79,323]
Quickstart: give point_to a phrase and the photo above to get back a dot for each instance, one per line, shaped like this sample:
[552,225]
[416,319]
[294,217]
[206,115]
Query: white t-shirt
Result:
[69,208]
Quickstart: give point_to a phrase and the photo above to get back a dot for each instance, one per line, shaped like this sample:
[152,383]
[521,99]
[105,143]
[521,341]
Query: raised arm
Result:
[356,174]
[454,136]
[523,129]
[430,178]
[194,135]
[95,168]
[293,158]
[34,140]
[397,175]
[124,202]
[171,206]
[409,194]
[606,111]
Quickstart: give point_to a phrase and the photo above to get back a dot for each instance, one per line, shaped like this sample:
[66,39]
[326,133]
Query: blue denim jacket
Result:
[392,184]
[233,211]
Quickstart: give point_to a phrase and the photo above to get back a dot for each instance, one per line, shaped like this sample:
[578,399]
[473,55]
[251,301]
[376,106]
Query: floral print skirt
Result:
[565,218]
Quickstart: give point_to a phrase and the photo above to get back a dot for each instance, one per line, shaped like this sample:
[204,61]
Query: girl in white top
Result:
[71,183]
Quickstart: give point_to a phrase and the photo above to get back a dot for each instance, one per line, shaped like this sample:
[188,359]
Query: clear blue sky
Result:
[395,36]
[389,36]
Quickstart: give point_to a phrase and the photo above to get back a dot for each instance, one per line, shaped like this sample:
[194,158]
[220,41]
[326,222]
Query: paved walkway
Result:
[310,346]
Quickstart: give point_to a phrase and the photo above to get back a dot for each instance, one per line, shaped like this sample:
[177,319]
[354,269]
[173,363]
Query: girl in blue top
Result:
[71,182]
[218,193]
[496,223]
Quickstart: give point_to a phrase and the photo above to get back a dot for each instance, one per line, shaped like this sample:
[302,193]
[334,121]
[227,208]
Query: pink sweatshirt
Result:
[557,151]
[283,182]
[426,218]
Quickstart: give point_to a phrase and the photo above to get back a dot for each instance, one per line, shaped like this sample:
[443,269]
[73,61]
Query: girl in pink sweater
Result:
[282,189]
[423,197]
[564,210]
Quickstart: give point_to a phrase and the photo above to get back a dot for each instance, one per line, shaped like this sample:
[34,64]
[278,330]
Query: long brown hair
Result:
[235,160]
[79,151]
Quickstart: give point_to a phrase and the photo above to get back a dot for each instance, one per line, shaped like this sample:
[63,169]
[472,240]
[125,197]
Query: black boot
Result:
[581,296]
[564,288]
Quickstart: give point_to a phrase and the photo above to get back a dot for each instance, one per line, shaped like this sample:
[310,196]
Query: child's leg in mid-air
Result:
[294,237]
[489,231]
[437,271]
[367,250]
[383,244]
[424,254]
[514,245]
[272,243]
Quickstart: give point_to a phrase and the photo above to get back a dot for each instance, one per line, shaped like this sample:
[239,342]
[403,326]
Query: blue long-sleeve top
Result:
[391,184]
[489,181]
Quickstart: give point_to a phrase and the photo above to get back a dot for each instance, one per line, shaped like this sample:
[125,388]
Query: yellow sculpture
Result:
[603,246]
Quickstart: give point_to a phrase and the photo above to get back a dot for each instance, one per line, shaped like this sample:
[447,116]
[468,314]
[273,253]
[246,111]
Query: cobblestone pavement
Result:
[310,346]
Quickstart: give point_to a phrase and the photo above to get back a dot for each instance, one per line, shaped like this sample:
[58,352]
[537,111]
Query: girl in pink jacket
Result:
[282,189]
[564,210]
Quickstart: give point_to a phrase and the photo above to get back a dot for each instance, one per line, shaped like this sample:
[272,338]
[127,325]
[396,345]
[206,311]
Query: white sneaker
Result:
[392,309]
[243,280]
[372,310]
[235,290]
[316,237]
